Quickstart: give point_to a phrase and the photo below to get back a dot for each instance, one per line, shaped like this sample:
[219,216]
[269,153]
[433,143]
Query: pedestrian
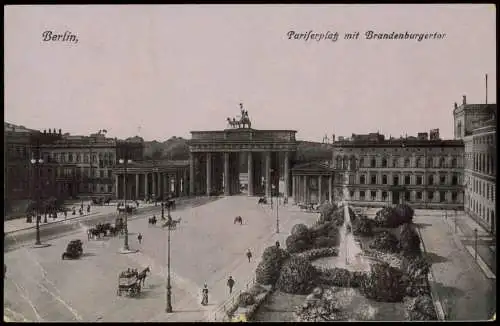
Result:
[249,255]
[65,214]
[139,237]
[277,244]
[230,284]
[204,293]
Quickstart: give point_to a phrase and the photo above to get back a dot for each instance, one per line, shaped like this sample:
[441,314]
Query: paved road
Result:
[206,247]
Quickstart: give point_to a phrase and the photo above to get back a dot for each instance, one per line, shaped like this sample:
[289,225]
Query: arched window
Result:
[442,162]
[429,162]
[373,163]
[407,163]
[431,180]
[384,162]
[394,162]
[362,162]
[459,129]
[454,163]
[362,179]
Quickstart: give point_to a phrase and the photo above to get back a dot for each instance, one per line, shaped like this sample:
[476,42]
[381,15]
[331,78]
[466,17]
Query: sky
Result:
[159,71]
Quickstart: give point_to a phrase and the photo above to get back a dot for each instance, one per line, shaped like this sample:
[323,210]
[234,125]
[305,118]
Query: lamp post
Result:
[37,164]
[475,244]
[126,248]
[168,293]
[277,215]
[162,210]
[455,221]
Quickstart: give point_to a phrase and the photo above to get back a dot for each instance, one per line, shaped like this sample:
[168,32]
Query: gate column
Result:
[268,174]
[250,174]
[191,175]
[209,173]
[226,174]
[286,176]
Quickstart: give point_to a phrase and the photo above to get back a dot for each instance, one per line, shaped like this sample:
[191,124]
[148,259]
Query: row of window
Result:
[406,180]
[483,189]
[106,159]
[352,163]
[487,139]
[482,211]
[372,195]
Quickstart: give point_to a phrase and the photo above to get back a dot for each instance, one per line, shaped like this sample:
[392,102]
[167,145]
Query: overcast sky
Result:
[162,71]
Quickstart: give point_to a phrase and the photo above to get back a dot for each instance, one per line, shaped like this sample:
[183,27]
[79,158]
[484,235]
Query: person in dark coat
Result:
[249,255]
[139,237]
[204,292]
[230,284]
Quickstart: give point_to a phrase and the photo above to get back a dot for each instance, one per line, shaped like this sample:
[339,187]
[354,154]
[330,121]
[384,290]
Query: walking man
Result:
[249,255]
[277,244]
[139,237]
[230,284]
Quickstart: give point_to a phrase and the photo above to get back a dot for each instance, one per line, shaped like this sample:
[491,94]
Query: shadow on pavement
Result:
[435,258]
[88,254]
[447,291]
[422,225]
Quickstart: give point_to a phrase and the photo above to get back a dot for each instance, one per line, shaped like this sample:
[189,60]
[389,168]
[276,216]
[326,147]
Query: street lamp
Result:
[475,244]
[126,248]
[162,210]
[37,164]
[168,294]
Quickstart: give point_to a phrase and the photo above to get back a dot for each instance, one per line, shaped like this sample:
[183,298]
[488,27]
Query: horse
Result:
[238,219]
[262,200]
[141,277]
[233,123]
[152,220]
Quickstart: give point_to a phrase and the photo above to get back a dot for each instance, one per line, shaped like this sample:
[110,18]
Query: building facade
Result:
[426,173]
[475,124]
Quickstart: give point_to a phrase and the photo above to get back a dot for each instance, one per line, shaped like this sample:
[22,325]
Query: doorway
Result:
[395,197]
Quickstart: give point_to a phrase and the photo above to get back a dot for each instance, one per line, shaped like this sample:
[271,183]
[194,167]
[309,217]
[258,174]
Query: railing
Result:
[220,314]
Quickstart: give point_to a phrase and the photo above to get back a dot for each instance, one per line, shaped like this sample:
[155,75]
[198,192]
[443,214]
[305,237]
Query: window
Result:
[384,179]
[351,194]
[384,195]
[394,163]
[373,163]
[454,196]
[442,163]
[442,179]
[430,195]
[442,196]
[420,162]
[362,195]
[407,179]
[384,163]
[431,180]
[362,179]
[407,163]
[419,179]
[395,180]
[419,195]
[86,158]
[373,194]
[361,162]
[70,157]
[454,163]
[373,179]
[78,158]
[454,180]
[101,174]
[407,195]
[429,163]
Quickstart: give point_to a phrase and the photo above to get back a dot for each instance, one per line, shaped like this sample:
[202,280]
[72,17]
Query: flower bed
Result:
[258,293]
[421,308]
[318,253]
[393,260]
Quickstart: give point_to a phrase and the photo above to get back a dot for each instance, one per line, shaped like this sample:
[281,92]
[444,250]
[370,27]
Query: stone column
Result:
[137,186]
[191,175]
[294,188]
[165,184]
[286,176]
[117,185]
[268,174]
[330,190]
[226,174]
[250,173]
[146,186]
[320,191]
[153,190]
[158,193]
[306,192]
[184,183]
[209,173]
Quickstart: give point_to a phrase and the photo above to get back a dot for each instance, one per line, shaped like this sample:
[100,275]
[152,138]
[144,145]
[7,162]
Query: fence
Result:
[220,314]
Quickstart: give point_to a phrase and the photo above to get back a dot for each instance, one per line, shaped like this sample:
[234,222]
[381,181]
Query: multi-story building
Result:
[475,124]
[427,173]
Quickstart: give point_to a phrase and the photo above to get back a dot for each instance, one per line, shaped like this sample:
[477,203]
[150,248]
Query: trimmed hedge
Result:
[384,283]
[297,276]
[385,242]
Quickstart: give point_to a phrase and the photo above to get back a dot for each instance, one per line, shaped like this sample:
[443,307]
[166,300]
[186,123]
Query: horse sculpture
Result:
[238,219]
[141,277]
[243,122]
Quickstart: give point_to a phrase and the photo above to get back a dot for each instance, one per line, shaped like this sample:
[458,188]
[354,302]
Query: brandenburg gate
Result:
[215,159]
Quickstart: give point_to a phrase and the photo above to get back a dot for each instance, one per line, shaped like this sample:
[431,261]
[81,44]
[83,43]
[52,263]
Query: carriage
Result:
[74,250]
[101,201]
[172,224]
[128,283]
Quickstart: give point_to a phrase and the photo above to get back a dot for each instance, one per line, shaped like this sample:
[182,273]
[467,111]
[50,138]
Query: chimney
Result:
[456,105]
[464,100]
[59,131]
[44,131]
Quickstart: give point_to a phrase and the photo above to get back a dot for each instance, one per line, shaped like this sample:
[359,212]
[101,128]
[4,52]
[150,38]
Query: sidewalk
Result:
[19,224]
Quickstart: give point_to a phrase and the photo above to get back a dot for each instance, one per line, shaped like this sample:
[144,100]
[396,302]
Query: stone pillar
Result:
[226,175]
[250,174]
[268,174]
[294,188]
[165,184]
[286,176]
[306,192]
[209,173]
[330,189]
[320,190]
[153,190]
[184,183]
[137,186]
[117,185]
[191,175]
[146,186]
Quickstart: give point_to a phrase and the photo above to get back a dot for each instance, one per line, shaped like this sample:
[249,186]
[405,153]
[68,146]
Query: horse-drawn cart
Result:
[128,283]
[74,250]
